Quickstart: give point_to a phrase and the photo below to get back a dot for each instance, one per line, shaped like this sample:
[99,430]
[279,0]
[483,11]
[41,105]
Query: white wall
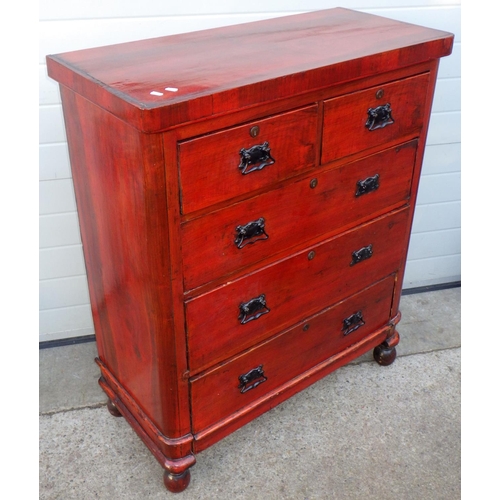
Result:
[434,255]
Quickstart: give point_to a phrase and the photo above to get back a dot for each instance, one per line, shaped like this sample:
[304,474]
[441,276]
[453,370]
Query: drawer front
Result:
[233,162]
[222,322]
[254,229]
[397,109]
[225,390]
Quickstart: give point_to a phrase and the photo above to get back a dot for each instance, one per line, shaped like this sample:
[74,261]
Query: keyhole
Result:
[254,131]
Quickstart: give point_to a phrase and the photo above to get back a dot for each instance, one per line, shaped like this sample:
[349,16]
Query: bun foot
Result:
[384,355]
[113,409]
[176,482]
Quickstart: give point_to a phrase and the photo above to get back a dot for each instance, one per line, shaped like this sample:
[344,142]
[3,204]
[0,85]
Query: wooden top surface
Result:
[225,69]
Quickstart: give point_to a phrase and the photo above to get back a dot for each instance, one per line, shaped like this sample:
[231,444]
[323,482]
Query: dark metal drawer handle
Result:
[352,323]
[379,117]
[250,233]
[361,254]
[253,309]
[251,379]
[255,158]
[368,185]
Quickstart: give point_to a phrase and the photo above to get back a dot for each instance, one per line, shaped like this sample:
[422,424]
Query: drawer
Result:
[221,391]
[348,128]
[239,160]
[249,231]
[232,317]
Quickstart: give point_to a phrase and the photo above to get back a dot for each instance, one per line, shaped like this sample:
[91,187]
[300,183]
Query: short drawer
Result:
[232,317]
[373,117]
[239,160]
[247,232]
[239,382]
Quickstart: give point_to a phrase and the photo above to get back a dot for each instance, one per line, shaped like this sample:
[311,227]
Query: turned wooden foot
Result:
[113,409]
[176,482]
[385,353]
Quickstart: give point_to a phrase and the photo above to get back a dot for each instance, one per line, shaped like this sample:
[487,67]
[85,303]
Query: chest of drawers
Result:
[245,197]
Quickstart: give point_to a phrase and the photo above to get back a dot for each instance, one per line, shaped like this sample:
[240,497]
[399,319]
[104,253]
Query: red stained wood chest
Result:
[245,197]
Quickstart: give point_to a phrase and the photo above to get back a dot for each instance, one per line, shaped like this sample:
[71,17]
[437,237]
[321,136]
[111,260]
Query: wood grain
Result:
[208,166]
[296,213]
[293,288]
[120,191]
[345,131]
[217,71]
[217,394]
[179,310]
[225,426]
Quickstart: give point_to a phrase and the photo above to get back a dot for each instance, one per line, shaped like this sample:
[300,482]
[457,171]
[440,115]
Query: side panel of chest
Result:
[120,189]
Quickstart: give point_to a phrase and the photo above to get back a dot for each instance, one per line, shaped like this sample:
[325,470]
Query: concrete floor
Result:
[363,432]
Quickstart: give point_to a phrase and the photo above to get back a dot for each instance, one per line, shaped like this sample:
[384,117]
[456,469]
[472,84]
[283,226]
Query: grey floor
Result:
[363,432]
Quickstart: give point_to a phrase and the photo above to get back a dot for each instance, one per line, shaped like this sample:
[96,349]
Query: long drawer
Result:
[373,117]
[242,380]
[247,232]
[239,160]
[245,311]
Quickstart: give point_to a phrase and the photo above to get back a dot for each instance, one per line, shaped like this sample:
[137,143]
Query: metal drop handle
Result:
[255,158]
[352,323]
[367,185]
[251,379]
[361,254]
[250,232]
[253,309]
[379,117]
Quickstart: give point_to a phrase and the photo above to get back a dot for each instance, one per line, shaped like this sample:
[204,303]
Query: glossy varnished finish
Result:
[208,166]
[218,71]
[293,288]
[120,191]
[177,482]
[245,234]
[218,393]
[113,188]
[345,129]
[230,423]
[323,203]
